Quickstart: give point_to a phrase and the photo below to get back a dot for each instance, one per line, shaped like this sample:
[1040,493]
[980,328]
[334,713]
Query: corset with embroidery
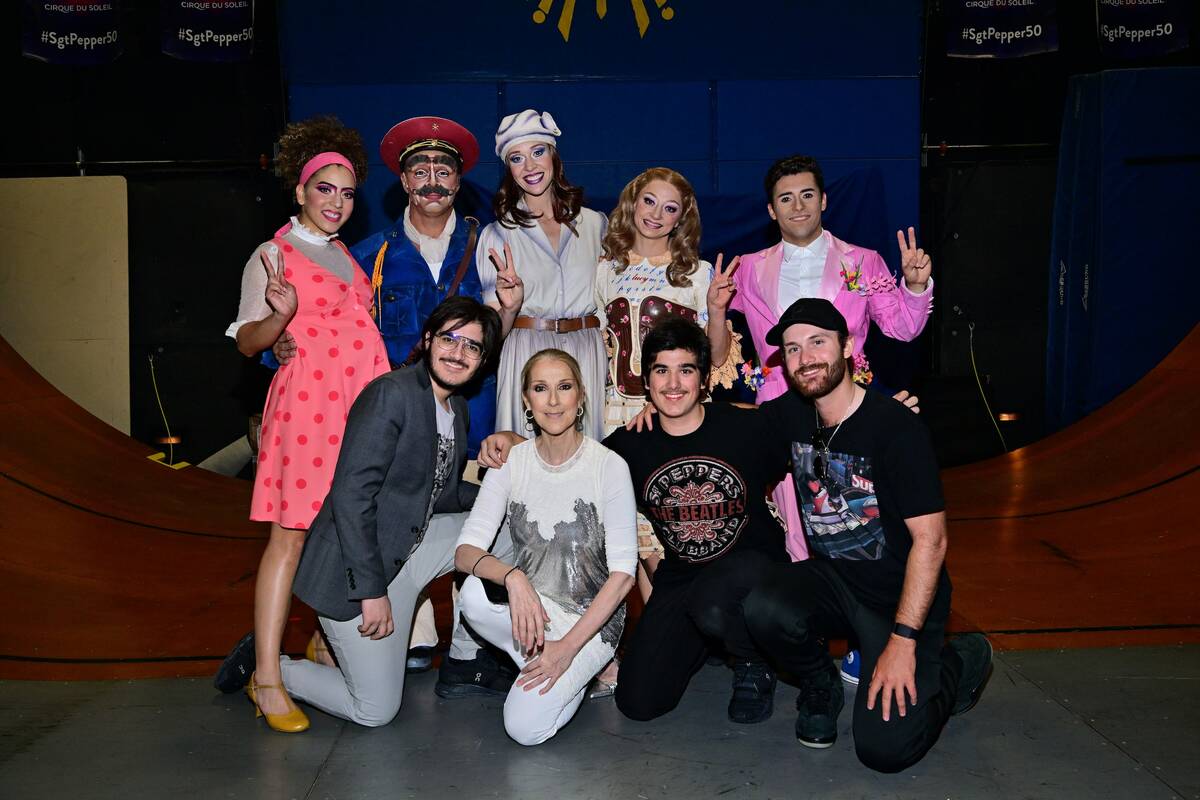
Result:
[627,327]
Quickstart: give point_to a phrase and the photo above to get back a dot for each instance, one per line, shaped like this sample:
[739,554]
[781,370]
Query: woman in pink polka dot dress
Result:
[306,282]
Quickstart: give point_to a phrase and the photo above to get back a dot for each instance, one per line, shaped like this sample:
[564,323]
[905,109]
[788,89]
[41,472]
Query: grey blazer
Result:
[375,511]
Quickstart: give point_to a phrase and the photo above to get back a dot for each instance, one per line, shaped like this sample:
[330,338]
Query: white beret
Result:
[525,126]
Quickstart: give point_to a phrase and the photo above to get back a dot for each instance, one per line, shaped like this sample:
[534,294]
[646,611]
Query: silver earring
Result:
[579,418]
[528,419]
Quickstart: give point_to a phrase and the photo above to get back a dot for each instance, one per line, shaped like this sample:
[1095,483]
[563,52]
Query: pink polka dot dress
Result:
[339,352]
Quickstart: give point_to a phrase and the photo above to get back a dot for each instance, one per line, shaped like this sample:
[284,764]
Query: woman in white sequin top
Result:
[570,509]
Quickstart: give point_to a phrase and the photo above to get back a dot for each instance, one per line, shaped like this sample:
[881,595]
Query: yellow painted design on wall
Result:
[566,14]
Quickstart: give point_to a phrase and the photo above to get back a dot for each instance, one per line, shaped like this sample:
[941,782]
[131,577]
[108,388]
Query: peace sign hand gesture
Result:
[510,289]
[280,294]
[722,288]
[914,262]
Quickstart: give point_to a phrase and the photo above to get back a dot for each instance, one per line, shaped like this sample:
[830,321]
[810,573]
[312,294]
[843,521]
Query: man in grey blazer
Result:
[390,523]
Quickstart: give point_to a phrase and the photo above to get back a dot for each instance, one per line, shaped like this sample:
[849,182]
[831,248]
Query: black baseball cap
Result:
[813,311]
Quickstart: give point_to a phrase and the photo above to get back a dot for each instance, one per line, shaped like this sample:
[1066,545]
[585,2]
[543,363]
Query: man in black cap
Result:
[873,515]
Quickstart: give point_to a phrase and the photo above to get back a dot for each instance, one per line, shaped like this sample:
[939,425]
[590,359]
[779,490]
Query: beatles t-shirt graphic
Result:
[699,505]
[838,503]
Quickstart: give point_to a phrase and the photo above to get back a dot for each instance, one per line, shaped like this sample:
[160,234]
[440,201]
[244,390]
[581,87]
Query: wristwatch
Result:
[904,631]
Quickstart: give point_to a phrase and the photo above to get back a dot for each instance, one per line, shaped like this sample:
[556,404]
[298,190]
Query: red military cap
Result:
[428,133]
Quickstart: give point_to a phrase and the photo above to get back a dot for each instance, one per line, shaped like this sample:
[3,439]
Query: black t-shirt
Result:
[705,492]
[879,470]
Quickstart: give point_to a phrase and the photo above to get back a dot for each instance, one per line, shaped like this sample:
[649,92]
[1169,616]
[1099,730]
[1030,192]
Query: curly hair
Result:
[684,240]
[567,198]
[303,140]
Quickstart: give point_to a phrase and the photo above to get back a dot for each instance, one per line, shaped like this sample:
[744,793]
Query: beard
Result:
[823,384]
[449,384]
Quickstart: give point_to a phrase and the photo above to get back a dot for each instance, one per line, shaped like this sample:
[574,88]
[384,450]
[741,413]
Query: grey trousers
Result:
[368,687]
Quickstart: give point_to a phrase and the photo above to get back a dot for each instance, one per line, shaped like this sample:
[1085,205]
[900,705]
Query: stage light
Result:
[1008,416]
[169,440]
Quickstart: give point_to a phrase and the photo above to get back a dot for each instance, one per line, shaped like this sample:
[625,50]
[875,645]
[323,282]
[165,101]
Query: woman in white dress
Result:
[556,242]
[570,510]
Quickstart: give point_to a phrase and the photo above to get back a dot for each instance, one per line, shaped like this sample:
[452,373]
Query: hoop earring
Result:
[529,419]
[579,418]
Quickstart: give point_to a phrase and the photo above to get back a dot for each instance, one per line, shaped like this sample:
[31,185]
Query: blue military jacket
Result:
[409,295]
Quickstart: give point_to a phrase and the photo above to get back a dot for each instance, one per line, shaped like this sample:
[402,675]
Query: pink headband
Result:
[321,160]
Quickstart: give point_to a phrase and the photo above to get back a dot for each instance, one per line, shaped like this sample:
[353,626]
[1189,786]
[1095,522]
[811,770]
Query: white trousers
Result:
[369,685]
[529,717]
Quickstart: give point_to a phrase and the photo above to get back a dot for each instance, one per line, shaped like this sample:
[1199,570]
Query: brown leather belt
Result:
[568,325]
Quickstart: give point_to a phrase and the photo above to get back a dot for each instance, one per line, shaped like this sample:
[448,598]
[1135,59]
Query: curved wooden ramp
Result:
[1087,538]
[116,566]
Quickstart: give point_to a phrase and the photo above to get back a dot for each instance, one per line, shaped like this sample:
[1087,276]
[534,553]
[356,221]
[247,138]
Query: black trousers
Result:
[797,606]
[684,614]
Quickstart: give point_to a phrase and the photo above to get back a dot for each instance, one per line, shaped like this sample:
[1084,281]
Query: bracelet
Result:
[504,580]
[906,632]
[481,558]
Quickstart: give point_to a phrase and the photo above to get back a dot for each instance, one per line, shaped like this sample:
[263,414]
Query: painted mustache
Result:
[432,190]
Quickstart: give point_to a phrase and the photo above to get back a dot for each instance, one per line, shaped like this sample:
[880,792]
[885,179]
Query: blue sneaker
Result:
[851,665]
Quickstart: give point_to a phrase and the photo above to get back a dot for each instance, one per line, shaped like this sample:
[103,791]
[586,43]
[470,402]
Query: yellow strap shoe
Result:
[293,721]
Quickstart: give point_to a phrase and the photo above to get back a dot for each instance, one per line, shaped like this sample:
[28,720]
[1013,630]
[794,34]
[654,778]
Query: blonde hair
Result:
[684,240]
[565,358]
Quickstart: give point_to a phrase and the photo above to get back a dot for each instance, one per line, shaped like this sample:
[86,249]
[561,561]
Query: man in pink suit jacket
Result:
[811,262]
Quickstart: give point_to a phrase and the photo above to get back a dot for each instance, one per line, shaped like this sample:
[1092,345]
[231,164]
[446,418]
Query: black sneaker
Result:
[420,659]
[482,675]
[821,699]
[753,693]
[234,672]
[976,653]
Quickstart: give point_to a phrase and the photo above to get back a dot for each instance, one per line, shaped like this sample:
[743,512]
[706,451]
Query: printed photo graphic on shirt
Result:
[441,474]
[697,505]
[838,503]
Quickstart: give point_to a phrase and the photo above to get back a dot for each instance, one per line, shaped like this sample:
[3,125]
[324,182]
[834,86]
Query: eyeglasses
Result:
[451,341]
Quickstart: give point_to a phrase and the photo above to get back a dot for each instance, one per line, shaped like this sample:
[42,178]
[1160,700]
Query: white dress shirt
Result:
[801,271]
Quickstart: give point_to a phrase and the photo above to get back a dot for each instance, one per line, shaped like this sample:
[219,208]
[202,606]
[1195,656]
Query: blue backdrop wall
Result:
[1125,234]
[714,90]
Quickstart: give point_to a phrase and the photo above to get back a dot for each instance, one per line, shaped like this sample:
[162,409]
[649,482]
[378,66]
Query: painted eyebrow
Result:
[444,160]
[335,187]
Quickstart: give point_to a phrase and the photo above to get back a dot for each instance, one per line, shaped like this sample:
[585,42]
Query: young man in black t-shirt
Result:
[700,476]
[871,504]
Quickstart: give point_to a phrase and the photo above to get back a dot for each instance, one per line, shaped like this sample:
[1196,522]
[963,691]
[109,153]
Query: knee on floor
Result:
[882,759]
[521,732]
[637,708]
[375,714]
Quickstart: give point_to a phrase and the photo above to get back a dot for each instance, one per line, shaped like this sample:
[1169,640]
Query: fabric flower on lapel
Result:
[863,285]
[754,377]
[862,370]
[851,275]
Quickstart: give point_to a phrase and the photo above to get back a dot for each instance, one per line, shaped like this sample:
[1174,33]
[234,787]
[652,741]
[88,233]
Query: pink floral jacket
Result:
[856,281]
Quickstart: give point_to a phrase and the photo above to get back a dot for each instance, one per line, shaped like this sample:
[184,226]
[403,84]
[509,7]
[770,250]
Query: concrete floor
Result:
[1112,723]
